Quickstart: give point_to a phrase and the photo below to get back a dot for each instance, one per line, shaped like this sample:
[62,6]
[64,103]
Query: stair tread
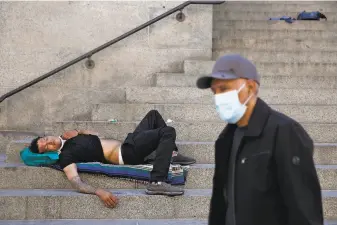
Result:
[116,222]
[69,192]
[118,192]
[321,144]
[107,222]
[194,166]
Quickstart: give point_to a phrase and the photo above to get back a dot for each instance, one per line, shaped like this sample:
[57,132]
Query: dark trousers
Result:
[151,135]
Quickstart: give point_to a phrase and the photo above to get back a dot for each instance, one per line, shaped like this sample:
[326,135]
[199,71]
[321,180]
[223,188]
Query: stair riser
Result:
[4,141]
[269,45]
[130,207]
[207,113]
[88,207]
[267,81]
[262,15]
[7,137]
[270,35]
[275,25]
[321,133]
[202,68]
[281,56]
[273,96]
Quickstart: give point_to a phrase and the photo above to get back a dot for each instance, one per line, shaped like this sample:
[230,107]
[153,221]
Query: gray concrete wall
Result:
[37,37]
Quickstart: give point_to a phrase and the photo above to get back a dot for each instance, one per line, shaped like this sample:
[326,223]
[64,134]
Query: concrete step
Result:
[191,95]
[200,176]
[160,79]
[6,136]
[173,80]
[201,68]
[262,15]
[19,176]
[280,6]
[269,34]
[206,113]
[275,25]
[203,152]
[112,222]
[117,222]
[195,95]
[281,56]
[67,204]
[202,131]
[290,44]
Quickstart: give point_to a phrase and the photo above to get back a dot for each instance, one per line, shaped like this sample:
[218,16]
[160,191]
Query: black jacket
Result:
[276,181]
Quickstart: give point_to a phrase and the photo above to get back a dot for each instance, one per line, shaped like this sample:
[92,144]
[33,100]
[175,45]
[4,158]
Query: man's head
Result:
[45,144]
[236,76]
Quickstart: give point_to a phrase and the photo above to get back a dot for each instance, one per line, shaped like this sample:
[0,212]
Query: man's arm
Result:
[297,176]
[75,180]
[87,132]
[73,133]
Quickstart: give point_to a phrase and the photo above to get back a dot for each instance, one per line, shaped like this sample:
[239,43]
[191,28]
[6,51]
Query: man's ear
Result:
[253,87]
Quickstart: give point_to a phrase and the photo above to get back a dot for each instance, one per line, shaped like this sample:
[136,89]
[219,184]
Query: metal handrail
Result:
[100,48]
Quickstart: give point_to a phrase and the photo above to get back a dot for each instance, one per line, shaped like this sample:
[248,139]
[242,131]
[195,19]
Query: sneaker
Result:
[163,188]
[178,158]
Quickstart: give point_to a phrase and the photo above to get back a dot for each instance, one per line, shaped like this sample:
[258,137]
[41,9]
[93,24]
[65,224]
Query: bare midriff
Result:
[111,150]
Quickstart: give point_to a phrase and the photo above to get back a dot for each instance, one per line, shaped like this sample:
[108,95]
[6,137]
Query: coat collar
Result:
[256,123]
[258,119]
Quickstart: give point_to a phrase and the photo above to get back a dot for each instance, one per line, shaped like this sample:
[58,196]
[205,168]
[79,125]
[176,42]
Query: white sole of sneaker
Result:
[163,193]
[183,163]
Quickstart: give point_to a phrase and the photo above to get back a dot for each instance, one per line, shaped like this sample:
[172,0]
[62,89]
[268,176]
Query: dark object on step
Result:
[288,19]
[182,160]
[177,158]
[311,16]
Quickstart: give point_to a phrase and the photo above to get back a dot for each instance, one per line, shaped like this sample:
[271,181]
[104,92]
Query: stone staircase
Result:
[298,65]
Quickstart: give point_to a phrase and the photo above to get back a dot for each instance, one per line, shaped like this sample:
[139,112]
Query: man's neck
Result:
[250,108]
[62,141]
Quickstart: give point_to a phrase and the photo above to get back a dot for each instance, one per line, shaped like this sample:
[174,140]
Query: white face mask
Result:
[229,107]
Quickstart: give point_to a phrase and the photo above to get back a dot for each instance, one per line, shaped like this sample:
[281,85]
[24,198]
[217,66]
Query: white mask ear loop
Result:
[62,144]
[242,86]
[250,96]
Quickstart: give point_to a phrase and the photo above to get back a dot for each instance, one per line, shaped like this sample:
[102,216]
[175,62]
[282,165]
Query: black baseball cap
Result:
[228,67]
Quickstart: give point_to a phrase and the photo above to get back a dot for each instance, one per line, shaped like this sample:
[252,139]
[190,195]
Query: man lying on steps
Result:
[152,134]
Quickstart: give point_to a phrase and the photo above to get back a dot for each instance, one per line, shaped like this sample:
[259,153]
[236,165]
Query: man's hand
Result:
[69,134]
[107,198]
[72,175]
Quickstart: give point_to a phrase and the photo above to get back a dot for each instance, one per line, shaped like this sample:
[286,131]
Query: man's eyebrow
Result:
[221,86]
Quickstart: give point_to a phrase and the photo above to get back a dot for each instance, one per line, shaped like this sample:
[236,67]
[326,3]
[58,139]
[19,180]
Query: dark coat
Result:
[276,181]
